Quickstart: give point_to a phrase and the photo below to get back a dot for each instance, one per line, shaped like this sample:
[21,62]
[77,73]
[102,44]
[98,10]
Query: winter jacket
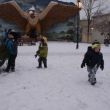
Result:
[11,46]
[92,58]
[43,50]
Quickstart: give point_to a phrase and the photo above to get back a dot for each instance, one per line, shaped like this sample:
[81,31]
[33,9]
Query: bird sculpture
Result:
[39,22]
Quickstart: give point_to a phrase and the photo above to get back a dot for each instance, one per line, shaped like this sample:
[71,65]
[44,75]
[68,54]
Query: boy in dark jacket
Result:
[11,44]
[93,59]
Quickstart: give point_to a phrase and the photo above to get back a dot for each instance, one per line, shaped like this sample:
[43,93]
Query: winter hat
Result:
[96,46]
[45,39]
[95,42]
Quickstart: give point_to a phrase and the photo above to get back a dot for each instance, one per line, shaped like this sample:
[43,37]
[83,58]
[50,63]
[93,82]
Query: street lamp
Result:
[79,4]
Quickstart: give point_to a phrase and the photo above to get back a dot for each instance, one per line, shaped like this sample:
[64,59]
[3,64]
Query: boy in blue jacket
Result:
[11,45]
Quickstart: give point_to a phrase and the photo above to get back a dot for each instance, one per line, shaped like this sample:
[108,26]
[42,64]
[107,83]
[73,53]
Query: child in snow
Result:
[42,53]
[11,44]
[93,59]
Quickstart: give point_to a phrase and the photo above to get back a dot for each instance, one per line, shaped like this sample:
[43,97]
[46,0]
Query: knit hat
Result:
[96,46]
[95,42]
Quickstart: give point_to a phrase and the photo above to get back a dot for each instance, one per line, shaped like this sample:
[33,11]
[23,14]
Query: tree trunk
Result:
[88,30]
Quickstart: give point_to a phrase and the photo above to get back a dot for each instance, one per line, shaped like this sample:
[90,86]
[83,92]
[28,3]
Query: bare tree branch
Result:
[91,7]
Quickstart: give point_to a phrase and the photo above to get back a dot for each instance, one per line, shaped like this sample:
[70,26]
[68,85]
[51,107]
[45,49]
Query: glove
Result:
[82,65]
[98,65]
[37,52]
[101,67]
[35,55]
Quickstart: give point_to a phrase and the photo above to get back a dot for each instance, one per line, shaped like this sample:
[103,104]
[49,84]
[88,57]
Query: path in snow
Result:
[62,86]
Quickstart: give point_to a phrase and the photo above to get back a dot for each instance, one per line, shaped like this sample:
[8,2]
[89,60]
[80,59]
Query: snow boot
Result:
[12,70]
[93,81]
[39,66]
[6,70]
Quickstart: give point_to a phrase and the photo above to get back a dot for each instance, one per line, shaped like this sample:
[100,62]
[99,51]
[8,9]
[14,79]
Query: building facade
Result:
[99,29]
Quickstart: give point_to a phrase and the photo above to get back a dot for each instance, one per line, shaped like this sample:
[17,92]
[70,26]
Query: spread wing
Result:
[10,11]
[56,13]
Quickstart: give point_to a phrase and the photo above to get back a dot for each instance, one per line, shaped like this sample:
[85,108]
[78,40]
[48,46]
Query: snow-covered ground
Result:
[62,86]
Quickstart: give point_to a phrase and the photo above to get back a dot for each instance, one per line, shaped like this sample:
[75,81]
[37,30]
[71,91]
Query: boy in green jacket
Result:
[42,53]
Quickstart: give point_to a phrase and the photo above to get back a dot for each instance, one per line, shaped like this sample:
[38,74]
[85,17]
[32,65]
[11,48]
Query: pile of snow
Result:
[62,86]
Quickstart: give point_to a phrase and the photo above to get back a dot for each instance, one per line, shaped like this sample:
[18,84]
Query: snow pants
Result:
[92,72]
[11,62]
[42,60]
